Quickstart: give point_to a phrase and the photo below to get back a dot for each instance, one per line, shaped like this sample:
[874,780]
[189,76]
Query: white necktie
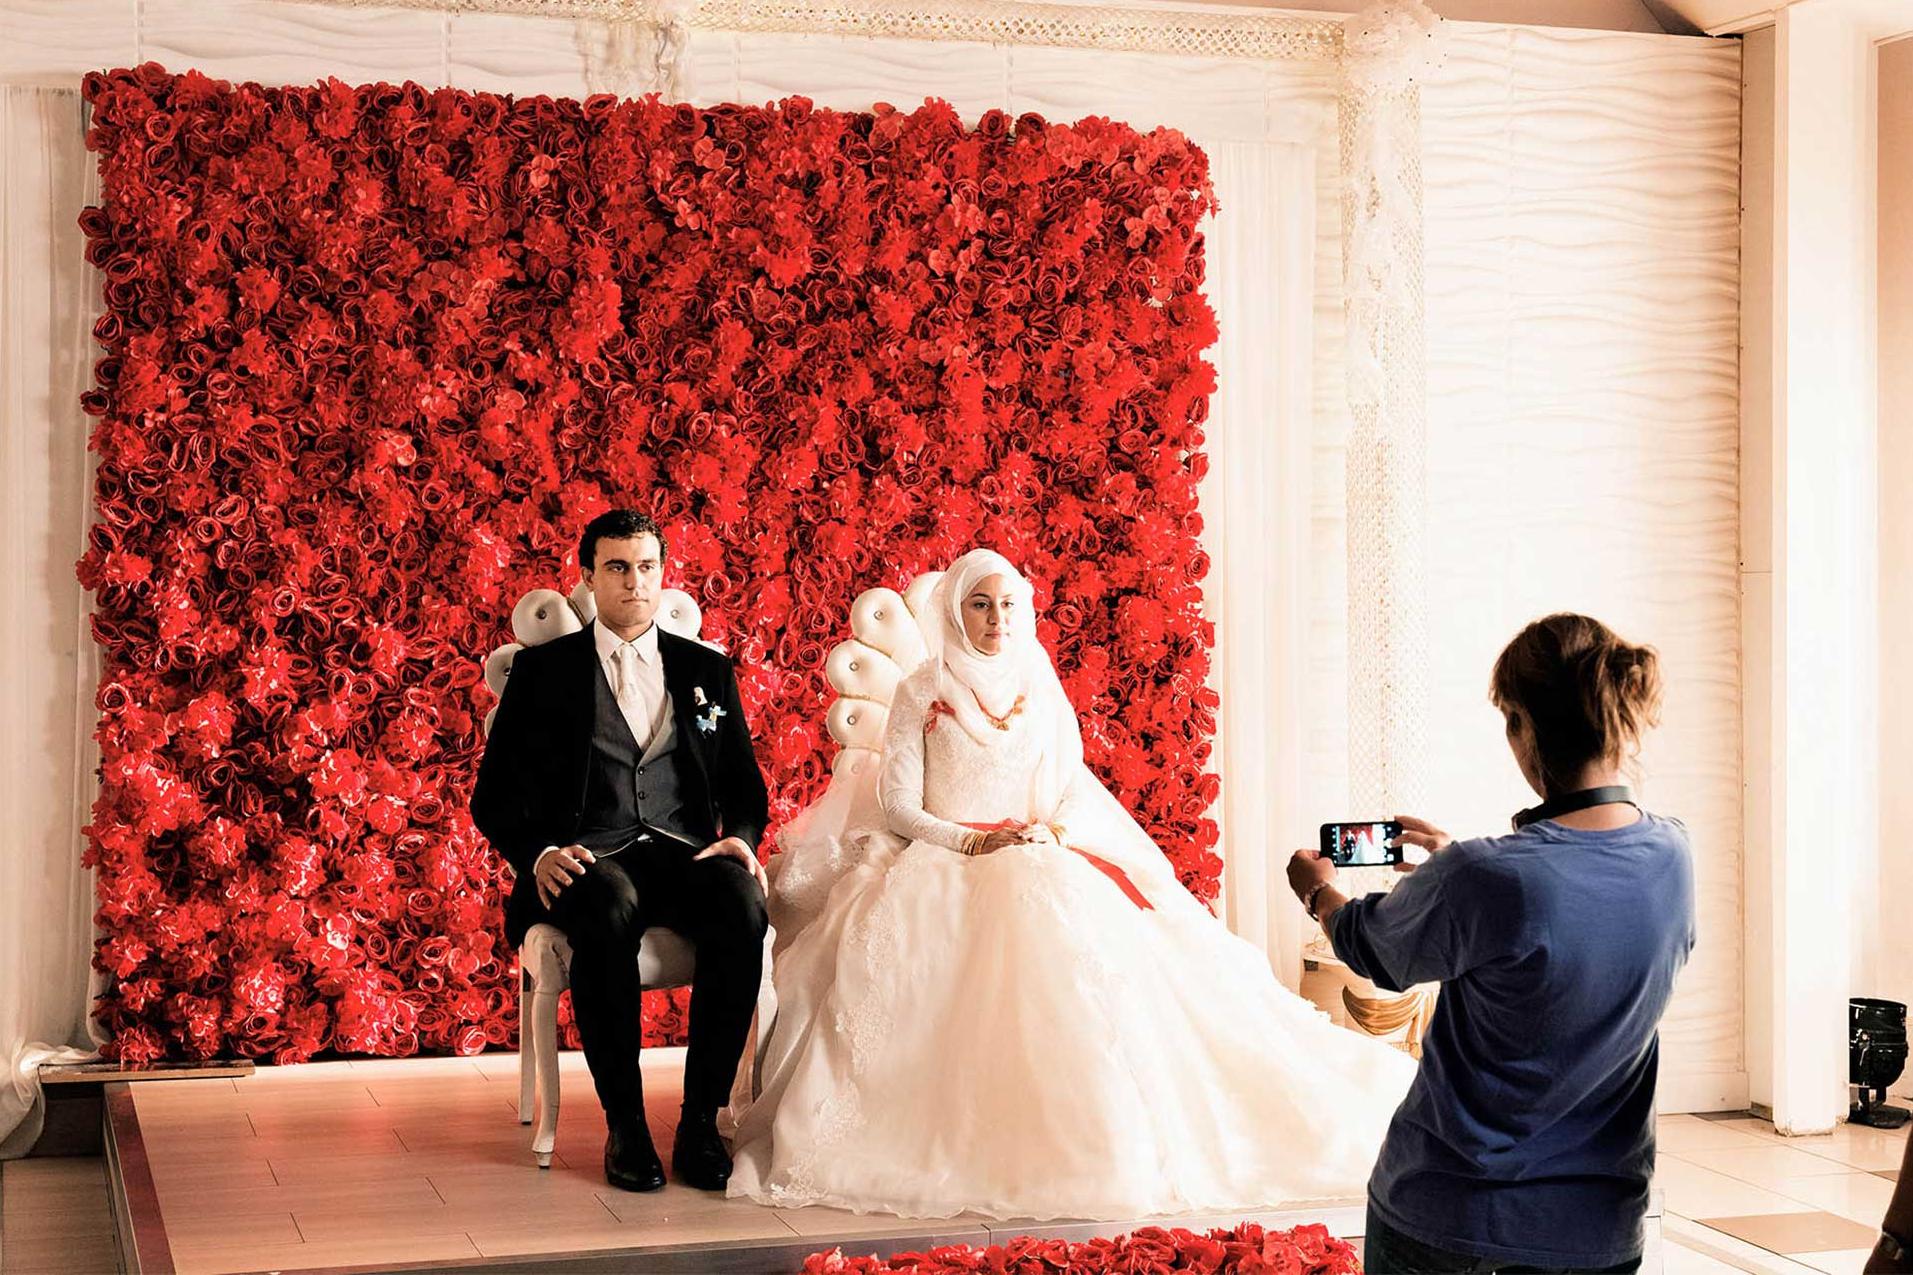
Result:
[637,714]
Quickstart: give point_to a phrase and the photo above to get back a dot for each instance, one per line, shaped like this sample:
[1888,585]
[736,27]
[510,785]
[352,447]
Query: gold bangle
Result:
[1061,833]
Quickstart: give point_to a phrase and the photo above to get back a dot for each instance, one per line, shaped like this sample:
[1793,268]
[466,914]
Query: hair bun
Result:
[1589,695]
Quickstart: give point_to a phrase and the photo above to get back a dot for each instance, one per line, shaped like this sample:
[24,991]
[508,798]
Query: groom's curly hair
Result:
[616,524]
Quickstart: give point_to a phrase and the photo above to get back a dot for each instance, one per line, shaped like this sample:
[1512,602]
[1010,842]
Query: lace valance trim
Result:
[1276,37]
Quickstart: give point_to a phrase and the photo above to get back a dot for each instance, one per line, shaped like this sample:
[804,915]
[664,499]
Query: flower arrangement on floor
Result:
[1246,1250]
[374,355]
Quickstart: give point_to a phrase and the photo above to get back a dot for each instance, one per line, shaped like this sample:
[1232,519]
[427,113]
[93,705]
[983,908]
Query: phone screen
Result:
[1361,845]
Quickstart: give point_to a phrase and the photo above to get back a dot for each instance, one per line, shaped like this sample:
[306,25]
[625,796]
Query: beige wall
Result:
[1756,547]
[1826,463]
[1582,291]
[1891,972]
[1599,15]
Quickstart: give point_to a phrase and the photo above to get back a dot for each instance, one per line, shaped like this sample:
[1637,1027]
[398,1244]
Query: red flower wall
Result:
[374,355]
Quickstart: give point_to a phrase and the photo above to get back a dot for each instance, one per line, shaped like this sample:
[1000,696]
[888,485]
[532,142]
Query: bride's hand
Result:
[1039,834]
[994,841]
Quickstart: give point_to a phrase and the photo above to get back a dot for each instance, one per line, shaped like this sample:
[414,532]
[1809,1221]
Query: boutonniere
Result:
[709,712]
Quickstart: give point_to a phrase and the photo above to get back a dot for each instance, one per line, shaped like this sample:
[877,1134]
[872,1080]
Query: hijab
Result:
[974,685]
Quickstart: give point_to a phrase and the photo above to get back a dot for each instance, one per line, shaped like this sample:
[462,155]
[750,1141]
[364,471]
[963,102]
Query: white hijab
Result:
[836,833]
[969,680]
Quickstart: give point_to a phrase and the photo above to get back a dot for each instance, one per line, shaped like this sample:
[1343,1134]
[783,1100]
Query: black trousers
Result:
[717,905]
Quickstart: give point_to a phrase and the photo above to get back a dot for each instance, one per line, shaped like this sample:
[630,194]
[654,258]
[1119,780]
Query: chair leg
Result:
[527,1074]
[544,1046]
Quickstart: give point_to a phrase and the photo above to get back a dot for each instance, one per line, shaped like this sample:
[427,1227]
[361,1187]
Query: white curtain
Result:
[48,666]
[1255,508]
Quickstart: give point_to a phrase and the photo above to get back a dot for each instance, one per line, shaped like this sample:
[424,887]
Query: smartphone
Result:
[1361,845]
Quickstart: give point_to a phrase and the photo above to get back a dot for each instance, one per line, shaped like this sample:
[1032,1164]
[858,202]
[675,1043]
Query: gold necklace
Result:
[1003,722]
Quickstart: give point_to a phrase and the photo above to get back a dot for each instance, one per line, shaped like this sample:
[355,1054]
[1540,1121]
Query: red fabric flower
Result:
[1246,1250]
[373,356]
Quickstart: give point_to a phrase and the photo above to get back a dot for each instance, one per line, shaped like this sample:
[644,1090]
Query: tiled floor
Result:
[1815,1201]
[423,1160]
[1737,1195]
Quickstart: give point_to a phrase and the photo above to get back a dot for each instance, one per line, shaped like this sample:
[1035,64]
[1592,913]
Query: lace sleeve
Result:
[1074,807]
[900,787]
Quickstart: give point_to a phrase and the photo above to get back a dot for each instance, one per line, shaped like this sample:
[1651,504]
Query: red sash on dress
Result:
[1102,865]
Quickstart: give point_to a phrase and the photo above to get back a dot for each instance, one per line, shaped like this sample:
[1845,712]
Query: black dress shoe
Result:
[630,1161]
[699,1158]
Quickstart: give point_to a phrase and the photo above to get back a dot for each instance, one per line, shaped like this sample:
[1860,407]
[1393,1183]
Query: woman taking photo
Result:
[1526,1141]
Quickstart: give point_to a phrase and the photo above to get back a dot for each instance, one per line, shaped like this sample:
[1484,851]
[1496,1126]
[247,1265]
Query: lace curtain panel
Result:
[47,757]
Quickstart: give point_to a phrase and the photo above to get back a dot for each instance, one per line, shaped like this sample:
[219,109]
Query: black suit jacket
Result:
[531,783]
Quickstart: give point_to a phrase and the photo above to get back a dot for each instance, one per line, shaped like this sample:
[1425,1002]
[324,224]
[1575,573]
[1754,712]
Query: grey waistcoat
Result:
[628,791]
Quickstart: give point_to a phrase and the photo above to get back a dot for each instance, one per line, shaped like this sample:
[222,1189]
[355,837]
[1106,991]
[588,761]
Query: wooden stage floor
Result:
[422,1164]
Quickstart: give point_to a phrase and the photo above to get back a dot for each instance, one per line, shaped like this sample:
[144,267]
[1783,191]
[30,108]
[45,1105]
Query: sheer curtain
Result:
[1255,508]
[48,666]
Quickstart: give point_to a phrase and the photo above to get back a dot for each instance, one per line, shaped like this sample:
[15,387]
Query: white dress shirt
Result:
[646,706]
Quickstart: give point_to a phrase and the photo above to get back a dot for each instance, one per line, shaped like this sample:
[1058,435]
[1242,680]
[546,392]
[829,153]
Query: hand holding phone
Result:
[1422,835]
[1362,844]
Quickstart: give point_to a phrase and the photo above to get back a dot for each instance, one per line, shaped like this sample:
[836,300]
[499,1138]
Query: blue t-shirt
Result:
[1528,1135]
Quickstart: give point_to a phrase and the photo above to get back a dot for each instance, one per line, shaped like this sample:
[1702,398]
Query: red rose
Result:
[330,463]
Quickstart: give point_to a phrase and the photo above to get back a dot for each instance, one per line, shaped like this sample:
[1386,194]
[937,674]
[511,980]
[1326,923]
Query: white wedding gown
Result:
[1011,1035]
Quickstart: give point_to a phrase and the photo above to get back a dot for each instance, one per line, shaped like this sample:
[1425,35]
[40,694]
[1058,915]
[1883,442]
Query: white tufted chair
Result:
[665,958]
[887,643]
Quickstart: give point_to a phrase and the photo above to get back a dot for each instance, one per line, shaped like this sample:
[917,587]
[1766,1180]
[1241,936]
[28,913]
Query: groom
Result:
[620,784]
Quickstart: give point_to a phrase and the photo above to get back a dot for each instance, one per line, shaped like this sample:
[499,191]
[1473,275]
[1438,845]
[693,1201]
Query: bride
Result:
[997,997]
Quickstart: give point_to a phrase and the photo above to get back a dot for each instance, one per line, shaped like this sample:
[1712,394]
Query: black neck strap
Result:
[1569,802]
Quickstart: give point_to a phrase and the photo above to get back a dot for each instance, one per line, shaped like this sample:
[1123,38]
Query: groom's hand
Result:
[732,848]
[557,868]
